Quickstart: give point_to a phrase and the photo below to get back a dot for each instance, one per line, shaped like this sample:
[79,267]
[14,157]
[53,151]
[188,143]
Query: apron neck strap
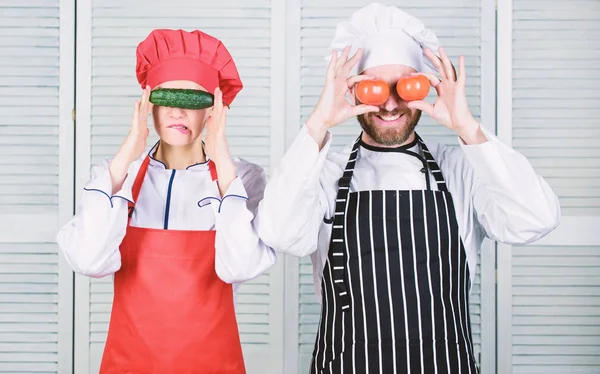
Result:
[349,171]
[432,165]
[137,185]
[213,170]
[139,178]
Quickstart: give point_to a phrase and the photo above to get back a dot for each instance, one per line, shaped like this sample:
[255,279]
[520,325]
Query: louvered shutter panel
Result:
[556,288]
[244,27]
[309,310]
[555,97]
[555,303]
[33,337]
[29,61]
[458,26]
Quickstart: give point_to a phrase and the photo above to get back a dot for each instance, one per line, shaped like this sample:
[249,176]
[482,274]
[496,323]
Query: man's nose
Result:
[393,102]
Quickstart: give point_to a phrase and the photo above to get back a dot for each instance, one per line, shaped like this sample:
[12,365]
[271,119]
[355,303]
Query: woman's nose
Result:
[177,113]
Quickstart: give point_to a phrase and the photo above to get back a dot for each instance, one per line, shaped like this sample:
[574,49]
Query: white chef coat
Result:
[172,199]
[495,190]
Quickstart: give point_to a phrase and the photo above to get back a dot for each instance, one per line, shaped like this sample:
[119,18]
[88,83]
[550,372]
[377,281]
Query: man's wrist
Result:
[472,134]
[317,129]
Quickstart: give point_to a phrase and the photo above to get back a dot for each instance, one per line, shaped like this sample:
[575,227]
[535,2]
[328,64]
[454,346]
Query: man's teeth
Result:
[390,118]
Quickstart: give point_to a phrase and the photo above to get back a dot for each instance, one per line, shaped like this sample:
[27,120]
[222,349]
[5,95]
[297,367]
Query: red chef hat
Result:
[167,55]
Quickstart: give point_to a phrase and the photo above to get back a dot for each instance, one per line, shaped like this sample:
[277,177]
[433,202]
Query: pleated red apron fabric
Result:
[171,312]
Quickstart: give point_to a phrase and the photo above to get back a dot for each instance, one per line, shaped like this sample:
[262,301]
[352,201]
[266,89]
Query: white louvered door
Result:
[549,292]
[36,156]
[108,34]
[465,27]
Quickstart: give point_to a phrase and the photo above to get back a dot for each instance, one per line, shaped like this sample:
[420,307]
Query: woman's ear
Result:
[209,112]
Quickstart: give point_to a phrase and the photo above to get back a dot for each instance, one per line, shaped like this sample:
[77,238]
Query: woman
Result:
[174,224]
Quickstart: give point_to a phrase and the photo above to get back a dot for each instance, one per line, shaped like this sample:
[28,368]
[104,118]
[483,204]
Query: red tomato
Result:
[372,92]
[415,87]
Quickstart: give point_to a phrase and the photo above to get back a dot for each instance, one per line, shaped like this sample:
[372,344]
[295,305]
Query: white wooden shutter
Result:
[549,292]
[458,25]
[309,314]
[555,97]
[555,309]
[36,98]
[109,33]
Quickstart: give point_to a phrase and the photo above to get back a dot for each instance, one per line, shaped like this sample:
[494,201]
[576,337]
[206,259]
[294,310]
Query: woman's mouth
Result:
[181,128]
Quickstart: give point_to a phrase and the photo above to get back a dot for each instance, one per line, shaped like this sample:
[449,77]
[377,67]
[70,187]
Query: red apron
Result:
[171,312]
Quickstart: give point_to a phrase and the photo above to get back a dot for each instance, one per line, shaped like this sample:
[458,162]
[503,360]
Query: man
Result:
[394,223]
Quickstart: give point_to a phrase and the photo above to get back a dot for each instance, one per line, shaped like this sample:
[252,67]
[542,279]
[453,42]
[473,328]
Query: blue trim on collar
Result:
[165,166]
[198,164]
[152,150]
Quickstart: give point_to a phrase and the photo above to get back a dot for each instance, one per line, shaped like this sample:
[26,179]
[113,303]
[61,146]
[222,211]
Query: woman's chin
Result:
[177,140]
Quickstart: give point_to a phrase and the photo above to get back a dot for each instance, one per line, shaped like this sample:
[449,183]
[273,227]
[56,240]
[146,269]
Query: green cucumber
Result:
[182,98]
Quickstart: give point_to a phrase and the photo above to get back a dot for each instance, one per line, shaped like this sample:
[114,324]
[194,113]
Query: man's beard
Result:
[393,135]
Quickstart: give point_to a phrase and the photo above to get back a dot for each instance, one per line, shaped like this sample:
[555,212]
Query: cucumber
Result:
[182,98]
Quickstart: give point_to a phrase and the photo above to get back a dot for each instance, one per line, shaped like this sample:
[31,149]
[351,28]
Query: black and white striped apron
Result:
[395,287]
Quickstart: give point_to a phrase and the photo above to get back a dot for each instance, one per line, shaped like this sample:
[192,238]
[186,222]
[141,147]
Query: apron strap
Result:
[137,186]
[429,163]
[349,171]
[337,248]
[213,170]
[432,165]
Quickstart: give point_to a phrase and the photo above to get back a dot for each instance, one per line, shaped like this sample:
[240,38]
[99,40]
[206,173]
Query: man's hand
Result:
[333,107]
[451,108]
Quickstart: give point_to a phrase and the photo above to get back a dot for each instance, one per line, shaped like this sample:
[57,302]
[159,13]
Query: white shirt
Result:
[495,190]
[175,200]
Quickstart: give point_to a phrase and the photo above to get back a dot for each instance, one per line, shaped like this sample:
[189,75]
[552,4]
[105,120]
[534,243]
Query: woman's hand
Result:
[216,146]
[135,143]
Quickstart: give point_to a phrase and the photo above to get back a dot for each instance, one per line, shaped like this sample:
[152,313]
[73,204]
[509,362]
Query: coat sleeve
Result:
[90,240]
[241,255]
[294,204]
[513,204]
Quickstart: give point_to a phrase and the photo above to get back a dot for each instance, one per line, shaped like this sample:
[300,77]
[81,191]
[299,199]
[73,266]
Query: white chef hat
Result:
[387,36]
